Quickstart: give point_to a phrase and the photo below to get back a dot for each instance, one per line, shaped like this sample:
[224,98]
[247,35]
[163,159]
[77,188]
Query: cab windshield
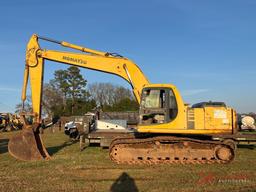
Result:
[158,106]
[152,99]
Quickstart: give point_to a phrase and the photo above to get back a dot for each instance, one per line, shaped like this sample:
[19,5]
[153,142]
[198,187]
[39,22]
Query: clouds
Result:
[191,92]
[9,89]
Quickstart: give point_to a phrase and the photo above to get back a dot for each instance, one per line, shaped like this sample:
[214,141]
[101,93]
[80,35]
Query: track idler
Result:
[27,144]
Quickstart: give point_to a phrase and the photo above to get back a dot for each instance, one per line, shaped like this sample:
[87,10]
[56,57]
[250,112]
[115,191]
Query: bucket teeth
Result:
[27,145]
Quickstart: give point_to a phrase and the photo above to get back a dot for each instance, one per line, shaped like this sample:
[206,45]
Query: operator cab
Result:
[158,105]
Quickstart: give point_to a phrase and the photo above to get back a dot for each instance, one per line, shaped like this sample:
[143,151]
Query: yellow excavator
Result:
[169,131]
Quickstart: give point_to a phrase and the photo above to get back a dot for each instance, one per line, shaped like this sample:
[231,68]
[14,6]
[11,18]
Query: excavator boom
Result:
[29,140]
[90,59]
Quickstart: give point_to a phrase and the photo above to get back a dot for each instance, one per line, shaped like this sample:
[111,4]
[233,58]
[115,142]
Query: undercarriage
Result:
[169,150]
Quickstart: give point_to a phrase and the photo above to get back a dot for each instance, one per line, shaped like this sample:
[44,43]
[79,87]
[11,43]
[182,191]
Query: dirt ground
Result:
[91,170]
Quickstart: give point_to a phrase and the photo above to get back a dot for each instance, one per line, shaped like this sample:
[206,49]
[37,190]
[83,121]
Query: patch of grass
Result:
[91,170]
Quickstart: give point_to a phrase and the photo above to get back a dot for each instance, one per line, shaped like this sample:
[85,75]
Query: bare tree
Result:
[52,99]
[122,93]
[108,94]
[27,106]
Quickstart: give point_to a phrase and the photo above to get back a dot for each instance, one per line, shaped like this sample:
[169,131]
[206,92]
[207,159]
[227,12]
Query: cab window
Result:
[173,109]
[154,98]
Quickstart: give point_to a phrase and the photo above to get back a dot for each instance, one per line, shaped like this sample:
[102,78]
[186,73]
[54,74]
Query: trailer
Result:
[103,138]
[102,128]
[240,138]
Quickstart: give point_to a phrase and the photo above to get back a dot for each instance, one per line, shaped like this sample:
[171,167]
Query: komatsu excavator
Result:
[169,131]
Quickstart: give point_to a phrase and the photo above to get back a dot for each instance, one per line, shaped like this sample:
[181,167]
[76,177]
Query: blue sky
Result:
[206,48]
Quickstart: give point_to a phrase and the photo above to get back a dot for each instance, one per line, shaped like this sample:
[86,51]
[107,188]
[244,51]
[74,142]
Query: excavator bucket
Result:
[27,145]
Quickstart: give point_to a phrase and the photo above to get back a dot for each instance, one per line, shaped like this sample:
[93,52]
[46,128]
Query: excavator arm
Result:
[90,59]
[29,140]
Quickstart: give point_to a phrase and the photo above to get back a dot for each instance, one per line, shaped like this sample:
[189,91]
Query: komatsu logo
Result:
[79,61]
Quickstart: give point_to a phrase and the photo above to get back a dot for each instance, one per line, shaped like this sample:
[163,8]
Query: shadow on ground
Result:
[55,149]
[4,145]
[124,183]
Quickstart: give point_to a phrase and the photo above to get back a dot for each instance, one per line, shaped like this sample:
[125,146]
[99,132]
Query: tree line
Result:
[69,93]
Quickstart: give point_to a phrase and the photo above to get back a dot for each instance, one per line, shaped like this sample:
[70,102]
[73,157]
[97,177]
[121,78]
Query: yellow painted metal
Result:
[28,145]
[180,120]
[25,83]
[95,60]
[84,49]
[122,67]
[202,121]
[218,118]
[199,120]
[206,120]
[33,71]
